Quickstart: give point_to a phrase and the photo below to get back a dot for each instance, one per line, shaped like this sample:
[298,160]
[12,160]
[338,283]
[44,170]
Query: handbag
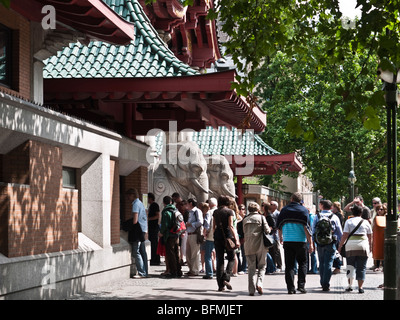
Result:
[229,243]
[268,239]
[343,250]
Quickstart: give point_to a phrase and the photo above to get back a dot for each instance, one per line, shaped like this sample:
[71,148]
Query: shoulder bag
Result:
[267,238]
[343,250]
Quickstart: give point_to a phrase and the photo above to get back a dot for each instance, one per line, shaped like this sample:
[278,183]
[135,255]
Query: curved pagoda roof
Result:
[146,56]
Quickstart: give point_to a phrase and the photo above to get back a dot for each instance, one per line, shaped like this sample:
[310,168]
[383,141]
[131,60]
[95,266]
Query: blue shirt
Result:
[293,232]
[137,206]
[195,219]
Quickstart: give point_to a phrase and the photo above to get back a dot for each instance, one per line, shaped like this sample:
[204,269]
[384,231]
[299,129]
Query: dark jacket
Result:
[167,220]
[294,212]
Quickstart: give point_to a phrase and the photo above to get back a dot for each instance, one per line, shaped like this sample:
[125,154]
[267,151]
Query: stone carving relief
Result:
[220,176]
[182,168]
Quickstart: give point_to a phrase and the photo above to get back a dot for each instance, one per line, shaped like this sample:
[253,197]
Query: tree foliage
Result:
[258,29]
[297,94]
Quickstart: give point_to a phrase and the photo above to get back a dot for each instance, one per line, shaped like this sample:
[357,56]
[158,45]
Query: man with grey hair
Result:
[253,226]
[275,250]
[375,201]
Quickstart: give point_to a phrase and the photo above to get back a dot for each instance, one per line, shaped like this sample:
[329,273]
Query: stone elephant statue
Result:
[220,176]
[182,168]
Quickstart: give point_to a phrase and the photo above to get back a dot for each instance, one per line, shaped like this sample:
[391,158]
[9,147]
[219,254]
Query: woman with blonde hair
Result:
[253,226]
[337,209]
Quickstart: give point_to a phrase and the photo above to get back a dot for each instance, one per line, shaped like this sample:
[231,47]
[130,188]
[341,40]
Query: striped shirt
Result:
[293,232]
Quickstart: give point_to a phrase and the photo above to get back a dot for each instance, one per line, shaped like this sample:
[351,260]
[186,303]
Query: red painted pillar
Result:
[239,189]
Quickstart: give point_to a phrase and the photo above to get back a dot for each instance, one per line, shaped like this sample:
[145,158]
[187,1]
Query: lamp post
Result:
[245,188]
[390,81]
[352,177]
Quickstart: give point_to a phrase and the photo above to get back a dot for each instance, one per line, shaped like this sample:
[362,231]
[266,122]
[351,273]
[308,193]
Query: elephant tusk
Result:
[229,193]
[198,185]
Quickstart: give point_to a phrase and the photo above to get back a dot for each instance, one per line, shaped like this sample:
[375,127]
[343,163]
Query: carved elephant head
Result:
[220,176]
[183,169]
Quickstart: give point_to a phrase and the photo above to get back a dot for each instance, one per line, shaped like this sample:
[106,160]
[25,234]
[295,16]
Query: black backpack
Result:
[178,224]
[323,232]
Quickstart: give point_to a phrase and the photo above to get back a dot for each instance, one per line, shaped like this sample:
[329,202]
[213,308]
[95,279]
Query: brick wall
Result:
[137,179]
[39,217]
[21,53]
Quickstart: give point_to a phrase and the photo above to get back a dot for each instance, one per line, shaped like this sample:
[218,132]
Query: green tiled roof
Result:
[146,56]
[224,141]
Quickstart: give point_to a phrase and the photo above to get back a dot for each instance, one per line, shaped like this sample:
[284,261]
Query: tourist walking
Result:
[275,250]
[294,233]
[223,229]
[327,232]
[253,226]
[358,247]
[209,236]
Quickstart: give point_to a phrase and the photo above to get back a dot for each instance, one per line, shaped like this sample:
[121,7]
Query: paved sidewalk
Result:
[196,288]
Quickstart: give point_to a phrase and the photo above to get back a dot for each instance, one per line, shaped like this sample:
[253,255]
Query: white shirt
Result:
[365,227]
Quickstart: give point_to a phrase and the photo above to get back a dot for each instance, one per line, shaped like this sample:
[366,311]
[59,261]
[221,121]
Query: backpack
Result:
[178,223]
[323,233]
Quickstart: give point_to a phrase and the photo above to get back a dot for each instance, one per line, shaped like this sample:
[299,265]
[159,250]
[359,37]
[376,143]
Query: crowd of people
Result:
[221,239]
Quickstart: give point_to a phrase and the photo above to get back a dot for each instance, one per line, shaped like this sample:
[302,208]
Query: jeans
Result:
[326,254]
[295,251]
[270,264]
[313,263]
[209,246]
[356,266]
[244,260]
[140,256]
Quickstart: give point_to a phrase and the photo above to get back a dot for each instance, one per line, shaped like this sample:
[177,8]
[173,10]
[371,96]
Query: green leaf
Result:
[6,3]
[372,123]
[294,128]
